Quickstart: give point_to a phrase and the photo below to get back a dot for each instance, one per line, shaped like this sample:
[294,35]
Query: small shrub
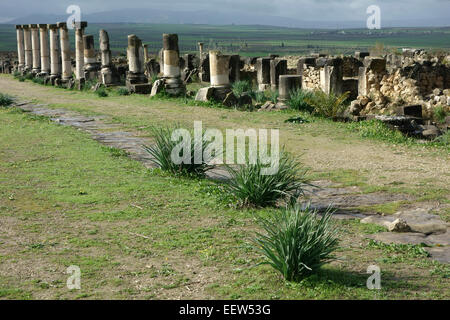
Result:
[5,100]
[439,114]
[122,91]
[376,129]
[297,242]
[38,80]
[250,187]
[29,76]
[444,139]
[298,100]
[240,87]
[16,74]
[101,92]
[21,78]
[161,152]
[328,105]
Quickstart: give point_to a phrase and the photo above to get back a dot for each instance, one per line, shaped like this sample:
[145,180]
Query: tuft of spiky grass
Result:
[273,96]
[297,241]
[259,96]
[251,187]
[298,100]
[241,87]
[439,114]
[161,153]
[5,100]
[328,105]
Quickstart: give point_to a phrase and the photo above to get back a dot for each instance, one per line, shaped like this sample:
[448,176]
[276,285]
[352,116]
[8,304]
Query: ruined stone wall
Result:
[311,78]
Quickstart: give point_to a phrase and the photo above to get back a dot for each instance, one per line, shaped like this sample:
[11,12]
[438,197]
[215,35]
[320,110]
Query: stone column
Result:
[288,83]
[146,57]
[278,67]
[108,74]
[55,67]
[79,49]
[136,80]
[66,63]
[27,47]
[200,49]
[219,69]
[45,53]
[20,48]
[171,67]
[36,51]
[263,73]
[91,66]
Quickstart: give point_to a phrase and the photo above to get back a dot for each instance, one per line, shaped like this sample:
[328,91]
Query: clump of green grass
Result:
[297,242]
[440,114]
[38,80]
[250,187]
[5,100]
[273,96]
[258,96]
[376,129]
[164,150]
[328,105]
[444,139]
[241,87]
[122,91]
[21,78]
[29,76]
[16,74]
[101,92]
[298,100]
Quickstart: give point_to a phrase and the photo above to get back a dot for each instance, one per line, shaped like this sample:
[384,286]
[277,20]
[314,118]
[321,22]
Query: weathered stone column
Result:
[66,63]
[20,48]
[146,57]
[36,51]
[108,73]
[219,69]
[286,84]
[27,47]
[45,52]
[136,80]
[278,67]
[91,66]
[171,67]
[79,50]
[200,49]
[55,67]
[263,73]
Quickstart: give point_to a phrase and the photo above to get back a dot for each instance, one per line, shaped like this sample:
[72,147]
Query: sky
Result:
[318,10]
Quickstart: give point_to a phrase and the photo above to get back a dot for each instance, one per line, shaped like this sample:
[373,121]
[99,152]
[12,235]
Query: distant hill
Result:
[214,18]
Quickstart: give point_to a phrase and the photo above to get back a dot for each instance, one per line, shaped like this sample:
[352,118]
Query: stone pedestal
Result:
[263,73]
[136,80]
[331,76]
[66,63]
[20,48]
[91,65]
[109,75]
[27,48]
[55,66]
[35,47]
[45,51]
[287,84]
[79,50]
[278,67]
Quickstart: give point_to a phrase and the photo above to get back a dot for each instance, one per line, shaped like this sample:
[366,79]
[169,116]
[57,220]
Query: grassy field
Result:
[135,233]
[259,40]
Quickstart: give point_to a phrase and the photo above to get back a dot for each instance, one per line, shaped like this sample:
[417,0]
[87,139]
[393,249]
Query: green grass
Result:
[5,100]
[138,233]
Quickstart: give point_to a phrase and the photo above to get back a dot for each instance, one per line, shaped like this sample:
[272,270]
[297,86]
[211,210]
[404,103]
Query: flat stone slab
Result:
[441,254]
[419,220]
[399,238]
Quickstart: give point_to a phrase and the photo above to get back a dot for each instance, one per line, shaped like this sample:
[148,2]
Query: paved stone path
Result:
[321,196]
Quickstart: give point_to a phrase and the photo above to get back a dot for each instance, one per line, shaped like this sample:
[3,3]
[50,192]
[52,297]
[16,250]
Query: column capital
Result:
[25,26]
[18,26]
[52,26]
[42,26]
[33,26]
[62,25]
[79,24]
